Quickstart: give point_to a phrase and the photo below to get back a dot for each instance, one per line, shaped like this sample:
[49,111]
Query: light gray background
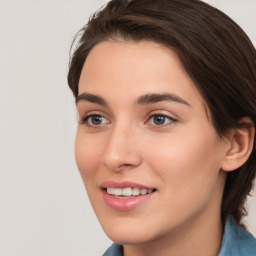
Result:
[44,209]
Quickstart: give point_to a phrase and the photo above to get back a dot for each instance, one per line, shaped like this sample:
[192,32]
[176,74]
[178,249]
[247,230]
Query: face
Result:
[145,147]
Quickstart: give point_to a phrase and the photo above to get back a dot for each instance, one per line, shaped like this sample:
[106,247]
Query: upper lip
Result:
[123,184]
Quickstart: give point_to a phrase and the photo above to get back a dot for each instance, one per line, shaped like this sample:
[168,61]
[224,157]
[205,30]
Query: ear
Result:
[240,145]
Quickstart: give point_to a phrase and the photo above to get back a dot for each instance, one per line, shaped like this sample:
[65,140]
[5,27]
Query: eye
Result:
[95,120]
[160,120]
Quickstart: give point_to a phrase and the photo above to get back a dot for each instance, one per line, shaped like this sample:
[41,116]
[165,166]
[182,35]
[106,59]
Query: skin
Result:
[181,158]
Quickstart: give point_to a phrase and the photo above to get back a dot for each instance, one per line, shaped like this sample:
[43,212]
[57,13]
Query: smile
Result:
[128,192]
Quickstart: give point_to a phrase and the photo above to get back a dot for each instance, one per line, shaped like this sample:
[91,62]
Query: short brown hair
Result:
[215,52]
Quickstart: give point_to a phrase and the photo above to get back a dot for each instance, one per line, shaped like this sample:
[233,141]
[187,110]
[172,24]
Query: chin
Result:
[121,234]
[129,239]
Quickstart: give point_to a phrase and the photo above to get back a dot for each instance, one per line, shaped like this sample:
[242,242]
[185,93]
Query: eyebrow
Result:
[91,98]
[142,100]
[155,97]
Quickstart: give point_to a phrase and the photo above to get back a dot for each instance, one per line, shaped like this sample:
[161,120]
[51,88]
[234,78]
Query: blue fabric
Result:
[236,242]
[114,250]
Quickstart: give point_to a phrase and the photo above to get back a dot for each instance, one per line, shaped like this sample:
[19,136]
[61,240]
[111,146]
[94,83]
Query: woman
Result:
[165,92]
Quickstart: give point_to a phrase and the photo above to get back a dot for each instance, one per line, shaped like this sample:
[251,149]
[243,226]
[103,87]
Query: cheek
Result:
[189,174]
[186,162]
[87,156]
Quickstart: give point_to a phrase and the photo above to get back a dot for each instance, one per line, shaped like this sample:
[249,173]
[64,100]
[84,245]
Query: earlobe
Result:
[240,145]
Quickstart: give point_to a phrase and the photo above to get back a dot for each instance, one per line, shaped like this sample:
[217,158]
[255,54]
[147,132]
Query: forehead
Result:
[131,69]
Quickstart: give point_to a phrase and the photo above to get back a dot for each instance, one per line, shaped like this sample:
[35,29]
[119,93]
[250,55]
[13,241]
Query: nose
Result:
[121,152]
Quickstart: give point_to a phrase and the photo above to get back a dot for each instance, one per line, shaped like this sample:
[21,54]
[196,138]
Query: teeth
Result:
[143,191]
[135,191]
[118,191]
[128,192]
[110,190]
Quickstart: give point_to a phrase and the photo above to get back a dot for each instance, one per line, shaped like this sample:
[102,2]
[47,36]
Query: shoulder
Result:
[237,241]
[114,250]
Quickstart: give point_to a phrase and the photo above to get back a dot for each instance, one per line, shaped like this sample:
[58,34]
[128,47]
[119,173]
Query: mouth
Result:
[126,196]
[128,192]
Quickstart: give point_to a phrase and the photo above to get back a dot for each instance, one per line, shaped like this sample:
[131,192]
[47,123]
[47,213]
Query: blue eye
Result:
[95,120]
[160,120]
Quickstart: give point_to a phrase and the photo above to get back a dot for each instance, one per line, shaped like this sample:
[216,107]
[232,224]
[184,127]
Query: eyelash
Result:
[171,121]
[87,120]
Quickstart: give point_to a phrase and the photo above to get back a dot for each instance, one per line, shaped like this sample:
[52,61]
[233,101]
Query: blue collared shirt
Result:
[236,242]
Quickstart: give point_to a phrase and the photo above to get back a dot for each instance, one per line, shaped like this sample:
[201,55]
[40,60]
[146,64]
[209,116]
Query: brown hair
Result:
[215,52]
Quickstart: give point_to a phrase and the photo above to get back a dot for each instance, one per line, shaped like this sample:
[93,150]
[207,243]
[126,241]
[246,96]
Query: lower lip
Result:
[125,204]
